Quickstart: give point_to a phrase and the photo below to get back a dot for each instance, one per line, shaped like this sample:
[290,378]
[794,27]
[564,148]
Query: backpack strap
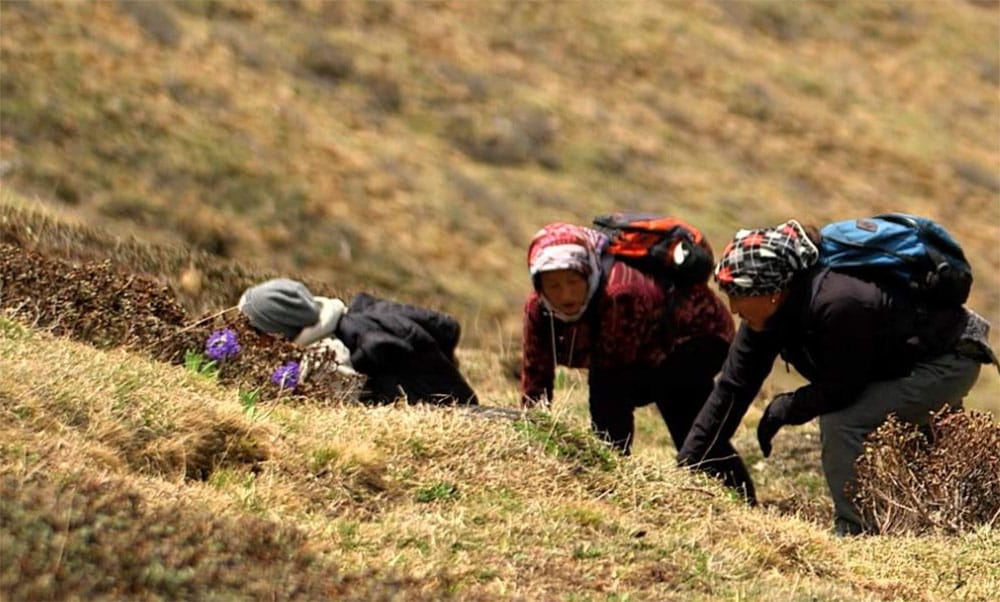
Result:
[596,303]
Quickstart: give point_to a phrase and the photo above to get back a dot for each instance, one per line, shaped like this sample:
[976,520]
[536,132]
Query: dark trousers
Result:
[679,388]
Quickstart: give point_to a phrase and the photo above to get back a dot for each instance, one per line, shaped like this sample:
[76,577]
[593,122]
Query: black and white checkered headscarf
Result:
[763,261]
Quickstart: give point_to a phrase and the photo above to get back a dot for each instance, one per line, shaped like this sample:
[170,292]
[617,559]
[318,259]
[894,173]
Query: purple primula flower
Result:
[286,376]
[222,344]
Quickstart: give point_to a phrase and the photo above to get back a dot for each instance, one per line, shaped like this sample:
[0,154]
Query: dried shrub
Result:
[98,304]
[783,21]
[384,93]
[92,302]
[377,12]
[753,100]
[462,85]
[988,69]
[330,62]
[237,10]
[196,94]
[155,20]
[251,50]
[512,138]
[943,478]
[132,208]
[976,175]
[208,233]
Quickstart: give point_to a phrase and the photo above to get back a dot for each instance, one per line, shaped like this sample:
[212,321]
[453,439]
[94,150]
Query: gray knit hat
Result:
[280,306]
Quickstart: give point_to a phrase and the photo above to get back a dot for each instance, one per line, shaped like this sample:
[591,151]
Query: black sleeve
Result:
[750,359]
[361,302]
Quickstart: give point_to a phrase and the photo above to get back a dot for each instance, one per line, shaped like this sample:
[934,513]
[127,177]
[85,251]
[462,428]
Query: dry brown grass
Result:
[429,503]
[375,487]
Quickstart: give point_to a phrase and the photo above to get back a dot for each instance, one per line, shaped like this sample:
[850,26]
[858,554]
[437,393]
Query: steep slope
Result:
[414,147]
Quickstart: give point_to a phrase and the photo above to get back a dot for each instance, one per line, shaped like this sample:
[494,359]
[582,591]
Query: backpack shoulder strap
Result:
[597,302]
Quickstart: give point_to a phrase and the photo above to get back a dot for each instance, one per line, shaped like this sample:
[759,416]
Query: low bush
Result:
[942,478]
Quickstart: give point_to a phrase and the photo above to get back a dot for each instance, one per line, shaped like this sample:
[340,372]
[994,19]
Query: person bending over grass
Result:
[402,350]
[642,342]
[862,345]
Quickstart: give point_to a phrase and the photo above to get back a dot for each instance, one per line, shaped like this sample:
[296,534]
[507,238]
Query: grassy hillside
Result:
[127,478]
[222,488]
[413,147]
[158,157]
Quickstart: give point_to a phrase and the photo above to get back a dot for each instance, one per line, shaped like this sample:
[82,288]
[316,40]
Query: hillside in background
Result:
[412,148]
[158,157]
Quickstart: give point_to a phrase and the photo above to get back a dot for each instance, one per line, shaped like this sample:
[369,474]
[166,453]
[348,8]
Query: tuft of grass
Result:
[436,492]
[566,442]
[249,398]
[10,329]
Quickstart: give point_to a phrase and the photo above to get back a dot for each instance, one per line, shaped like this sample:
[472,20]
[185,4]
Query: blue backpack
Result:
[914,252]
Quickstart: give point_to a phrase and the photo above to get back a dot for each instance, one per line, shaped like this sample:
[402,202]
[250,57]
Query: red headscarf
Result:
[562,246]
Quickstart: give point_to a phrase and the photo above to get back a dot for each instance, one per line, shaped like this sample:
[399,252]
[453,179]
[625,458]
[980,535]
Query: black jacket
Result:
[840,333]
[404,350]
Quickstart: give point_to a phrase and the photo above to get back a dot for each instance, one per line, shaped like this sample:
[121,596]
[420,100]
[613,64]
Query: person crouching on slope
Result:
[641,343]
[402,350]
[855,341]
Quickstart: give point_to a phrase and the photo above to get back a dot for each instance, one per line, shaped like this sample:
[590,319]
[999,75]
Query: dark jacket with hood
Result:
[841,334]
[404,350]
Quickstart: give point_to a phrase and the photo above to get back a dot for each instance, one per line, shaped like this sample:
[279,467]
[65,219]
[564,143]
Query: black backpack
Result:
[667,248]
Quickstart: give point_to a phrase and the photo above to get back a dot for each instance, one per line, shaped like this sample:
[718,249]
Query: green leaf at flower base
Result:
[197,362]
[248,400]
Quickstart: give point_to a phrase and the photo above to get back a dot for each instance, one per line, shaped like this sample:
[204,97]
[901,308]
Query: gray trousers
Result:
[933,384]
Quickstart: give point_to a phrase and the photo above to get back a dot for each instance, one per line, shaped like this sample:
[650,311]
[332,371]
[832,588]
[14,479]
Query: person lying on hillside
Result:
[402,350]
[642,342]
[864,346]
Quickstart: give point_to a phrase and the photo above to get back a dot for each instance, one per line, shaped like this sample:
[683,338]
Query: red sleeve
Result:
[537,363]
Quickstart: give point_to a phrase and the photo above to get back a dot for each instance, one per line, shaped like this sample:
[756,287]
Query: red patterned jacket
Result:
[637,328]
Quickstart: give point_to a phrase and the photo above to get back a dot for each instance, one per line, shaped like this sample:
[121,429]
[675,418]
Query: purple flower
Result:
[286,376]
[222,344]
